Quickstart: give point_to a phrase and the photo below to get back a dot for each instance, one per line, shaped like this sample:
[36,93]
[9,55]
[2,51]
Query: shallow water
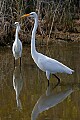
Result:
[25,95]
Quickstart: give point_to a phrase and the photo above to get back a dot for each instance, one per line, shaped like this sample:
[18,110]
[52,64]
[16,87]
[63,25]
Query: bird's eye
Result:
[31,13]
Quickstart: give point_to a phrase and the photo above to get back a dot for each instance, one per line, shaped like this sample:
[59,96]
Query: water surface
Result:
[24,95]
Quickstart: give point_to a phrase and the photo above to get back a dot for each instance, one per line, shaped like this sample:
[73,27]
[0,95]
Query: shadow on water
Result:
[17,84]
[51,98]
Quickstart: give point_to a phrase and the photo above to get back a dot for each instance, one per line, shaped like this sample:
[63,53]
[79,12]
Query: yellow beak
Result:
[25,15]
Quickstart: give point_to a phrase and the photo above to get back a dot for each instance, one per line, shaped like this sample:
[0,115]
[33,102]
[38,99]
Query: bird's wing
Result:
[13,48]
[52,65]
[47,63]
[20,45]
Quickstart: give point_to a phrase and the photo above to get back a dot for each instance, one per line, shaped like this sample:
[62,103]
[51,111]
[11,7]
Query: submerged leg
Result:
[57,79]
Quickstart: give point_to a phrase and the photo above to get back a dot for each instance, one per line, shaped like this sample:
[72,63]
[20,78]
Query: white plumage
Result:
[46,64]
[17,45]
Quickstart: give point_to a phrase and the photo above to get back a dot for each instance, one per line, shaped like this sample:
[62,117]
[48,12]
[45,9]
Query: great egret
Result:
[46,64]
[17,45]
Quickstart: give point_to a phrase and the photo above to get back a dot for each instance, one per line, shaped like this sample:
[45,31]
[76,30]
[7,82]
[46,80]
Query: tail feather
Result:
[69,71]
[66,69]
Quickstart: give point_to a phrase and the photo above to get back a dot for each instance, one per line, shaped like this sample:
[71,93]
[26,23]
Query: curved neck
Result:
[33,49]
[16,35]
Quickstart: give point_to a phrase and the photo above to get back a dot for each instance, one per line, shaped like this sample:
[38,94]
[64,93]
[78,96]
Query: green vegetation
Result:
[60,15]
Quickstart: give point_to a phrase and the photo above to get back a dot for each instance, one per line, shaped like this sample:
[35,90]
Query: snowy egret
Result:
[46,64]
[17,45]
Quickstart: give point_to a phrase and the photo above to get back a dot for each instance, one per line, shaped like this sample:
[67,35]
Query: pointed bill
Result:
[25,15]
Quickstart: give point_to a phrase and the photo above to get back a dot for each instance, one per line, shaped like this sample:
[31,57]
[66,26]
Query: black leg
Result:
[14,62]
[57,78]
[48,83]
[20,63]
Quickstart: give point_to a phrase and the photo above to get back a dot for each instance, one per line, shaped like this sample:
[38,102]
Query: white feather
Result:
[17,45]
[45,63]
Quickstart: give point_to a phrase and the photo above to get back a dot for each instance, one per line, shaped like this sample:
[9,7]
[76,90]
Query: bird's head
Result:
[32,14]
[17,25]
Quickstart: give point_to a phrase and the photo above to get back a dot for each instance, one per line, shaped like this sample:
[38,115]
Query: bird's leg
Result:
[48,76]
[20,63]
[14,63]
[57,78]
[48,83]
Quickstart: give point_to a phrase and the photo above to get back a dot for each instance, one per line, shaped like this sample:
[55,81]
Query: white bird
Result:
[17,45]
[46,64]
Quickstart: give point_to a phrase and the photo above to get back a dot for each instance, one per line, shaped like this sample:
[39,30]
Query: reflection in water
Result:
[48,100]
[17,84]
[35,83]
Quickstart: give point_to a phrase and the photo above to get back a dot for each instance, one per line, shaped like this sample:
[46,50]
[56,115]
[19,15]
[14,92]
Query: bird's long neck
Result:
[33,48]
[16,35]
